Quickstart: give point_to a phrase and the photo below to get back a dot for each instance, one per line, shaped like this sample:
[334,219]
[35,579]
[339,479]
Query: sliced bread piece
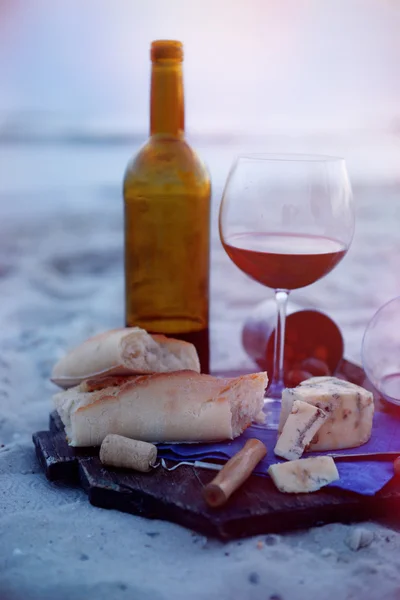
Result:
[182,406]
[125,351]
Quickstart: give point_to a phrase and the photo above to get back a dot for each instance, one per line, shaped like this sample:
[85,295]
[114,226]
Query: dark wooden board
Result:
[258,507]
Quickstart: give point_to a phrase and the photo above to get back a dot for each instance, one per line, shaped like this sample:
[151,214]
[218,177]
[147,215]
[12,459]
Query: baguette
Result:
[182,406]
[126,351]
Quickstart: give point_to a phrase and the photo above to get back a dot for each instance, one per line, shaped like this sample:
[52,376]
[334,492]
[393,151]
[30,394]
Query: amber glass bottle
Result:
[167,213]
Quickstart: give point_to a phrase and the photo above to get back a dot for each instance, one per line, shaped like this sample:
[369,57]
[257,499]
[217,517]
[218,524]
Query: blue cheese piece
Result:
[349,408]
[302,424]
[304,475]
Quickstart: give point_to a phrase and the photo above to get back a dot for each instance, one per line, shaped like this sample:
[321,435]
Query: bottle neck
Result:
[167,116]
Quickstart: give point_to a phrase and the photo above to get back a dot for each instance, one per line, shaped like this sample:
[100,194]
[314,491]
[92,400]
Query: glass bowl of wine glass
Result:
[380,351]
[286,220]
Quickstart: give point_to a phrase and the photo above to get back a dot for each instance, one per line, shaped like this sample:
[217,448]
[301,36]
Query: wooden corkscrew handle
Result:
[234,473]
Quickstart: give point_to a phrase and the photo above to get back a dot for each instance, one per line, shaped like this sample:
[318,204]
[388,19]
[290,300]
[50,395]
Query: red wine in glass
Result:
[284,260]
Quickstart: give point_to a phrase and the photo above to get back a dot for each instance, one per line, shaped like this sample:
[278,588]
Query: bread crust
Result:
[181,406]
[124,351]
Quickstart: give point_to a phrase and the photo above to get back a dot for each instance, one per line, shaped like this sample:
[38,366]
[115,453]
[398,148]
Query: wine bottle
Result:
[167,213]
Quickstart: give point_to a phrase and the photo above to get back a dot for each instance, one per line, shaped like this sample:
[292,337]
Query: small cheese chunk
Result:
[302,424]
[304,475]
[350,410]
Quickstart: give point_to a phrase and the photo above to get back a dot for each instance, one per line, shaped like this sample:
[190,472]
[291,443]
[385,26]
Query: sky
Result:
[250,65]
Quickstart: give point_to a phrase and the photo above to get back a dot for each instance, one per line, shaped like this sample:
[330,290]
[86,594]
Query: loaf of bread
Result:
[182,406]
[124,352]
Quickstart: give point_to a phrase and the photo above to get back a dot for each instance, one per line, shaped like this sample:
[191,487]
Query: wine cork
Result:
[119,451]
[234,473]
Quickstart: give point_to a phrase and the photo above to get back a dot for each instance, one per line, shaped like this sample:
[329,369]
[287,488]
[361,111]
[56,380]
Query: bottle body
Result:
[167,213]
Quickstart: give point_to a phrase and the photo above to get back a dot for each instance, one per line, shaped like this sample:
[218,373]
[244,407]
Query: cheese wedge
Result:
[301,425]
[350,410]
[304,475]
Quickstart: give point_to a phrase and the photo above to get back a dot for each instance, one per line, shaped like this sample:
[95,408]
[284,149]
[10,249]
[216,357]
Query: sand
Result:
[61,281]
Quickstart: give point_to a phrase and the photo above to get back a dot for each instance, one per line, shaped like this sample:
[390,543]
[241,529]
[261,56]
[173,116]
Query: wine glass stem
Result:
[277,383]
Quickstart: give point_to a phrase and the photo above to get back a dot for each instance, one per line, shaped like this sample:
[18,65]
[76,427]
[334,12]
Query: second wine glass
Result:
[286,221]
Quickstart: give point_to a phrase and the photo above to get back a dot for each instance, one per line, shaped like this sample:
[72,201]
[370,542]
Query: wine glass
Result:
[286,220]
[381,351]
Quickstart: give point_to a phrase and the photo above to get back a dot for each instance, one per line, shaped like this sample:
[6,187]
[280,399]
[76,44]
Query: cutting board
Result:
[258,507]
